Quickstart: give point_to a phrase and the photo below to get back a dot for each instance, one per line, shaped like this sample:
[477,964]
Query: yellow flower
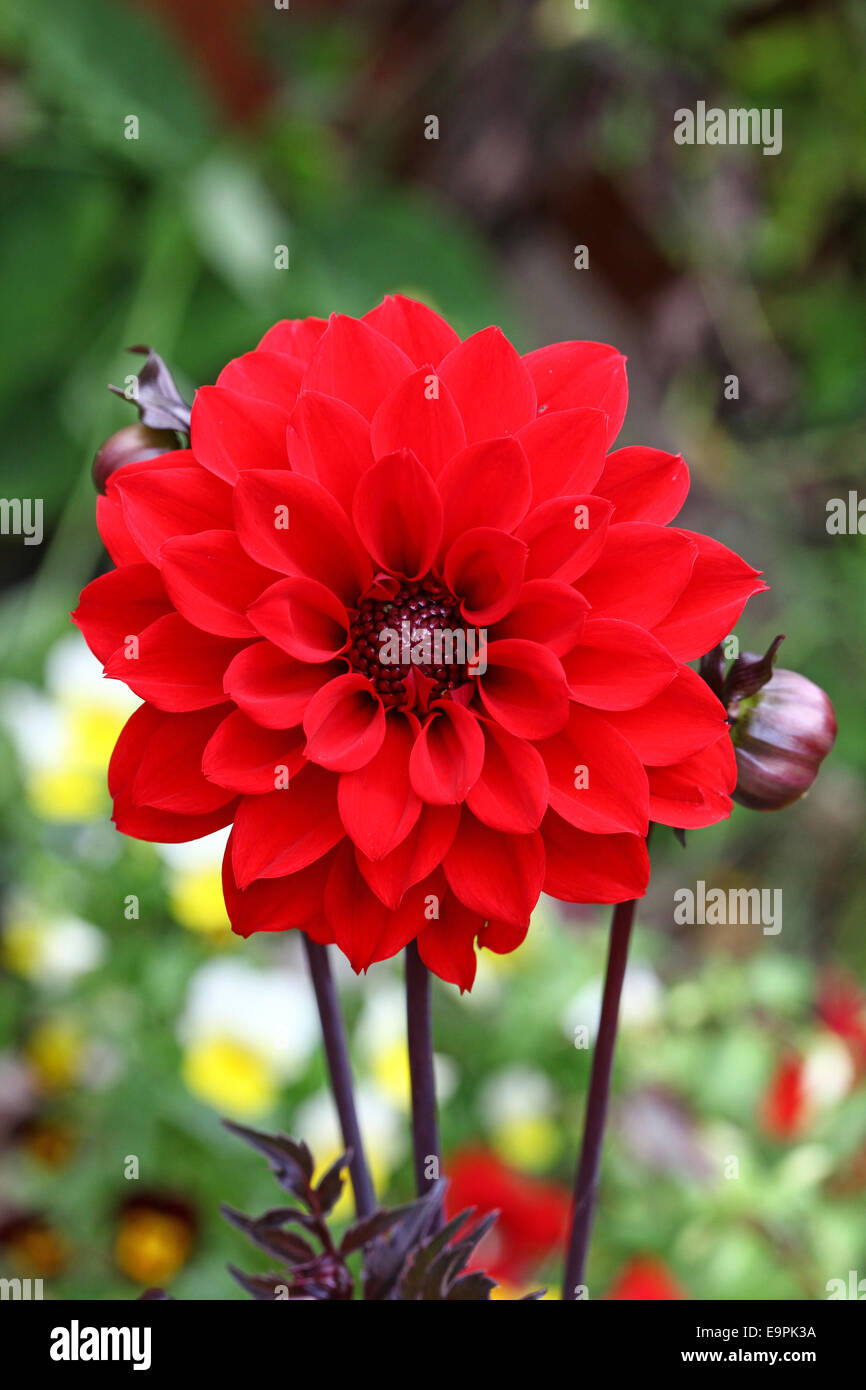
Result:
[67,794]
[35,1248]
[196,901]
[527,1141]
[230,1076]
[55,1050]
[151,1245]
[21,947]
[389,1065]
[511,1292]
[74,789]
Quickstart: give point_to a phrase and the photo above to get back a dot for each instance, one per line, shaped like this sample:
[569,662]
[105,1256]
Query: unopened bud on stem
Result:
[129,445]
[782,727]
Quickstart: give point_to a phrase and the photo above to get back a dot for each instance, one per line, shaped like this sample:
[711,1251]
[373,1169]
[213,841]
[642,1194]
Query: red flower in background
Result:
[357,477]
[841,1006]
[785,1104]
[644,1279]
[533,1215]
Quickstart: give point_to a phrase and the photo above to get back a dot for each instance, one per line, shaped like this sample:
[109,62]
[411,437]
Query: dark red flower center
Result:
[417,633]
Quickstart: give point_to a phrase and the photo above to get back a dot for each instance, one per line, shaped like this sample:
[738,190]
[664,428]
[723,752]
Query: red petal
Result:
[501,937]
[640,573]
[246,758]
[272,688]
[286,830]
[414,913]
[485,485]
[447,755]
[115,533]
[584,868]
[564,535]
[524,688]
[548,612]
[119,604]
[617,665]
[579,373]
[177,668]
[329,441]
[147,823]
[231,433]
[489,382]
[422,851]
[294,526]
[355,363]
[495,874]
[275,904]
[423,334]
[696,791]
[720,586]
[377,804]
[420,415]
[344,723]
[597,782]
[170,775]
[163,827]
[447,945]
[682,720]
[162,502]
[357,917]
[566,451]
[484,568]
[302,617]
[398,515]
[644,484]
[297,337]
[212,580]
[267,376]
[511,793]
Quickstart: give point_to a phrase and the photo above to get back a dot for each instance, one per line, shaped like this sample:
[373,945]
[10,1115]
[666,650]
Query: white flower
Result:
[640,1004]
[270,1012]
[52,951]
[383,1131]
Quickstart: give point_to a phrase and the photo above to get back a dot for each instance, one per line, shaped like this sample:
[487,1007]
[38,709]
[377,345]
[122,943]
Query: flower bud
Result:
[129,445]
[781,735]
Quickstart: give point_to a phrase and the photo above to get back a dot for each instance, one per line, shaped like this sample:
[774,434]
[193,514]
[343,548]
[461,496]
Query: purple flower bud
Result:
[781,735]
[129,445]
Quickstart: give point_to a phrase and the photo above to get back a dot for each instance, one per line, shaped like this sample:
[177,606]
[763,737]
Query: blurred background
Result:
[736,1160]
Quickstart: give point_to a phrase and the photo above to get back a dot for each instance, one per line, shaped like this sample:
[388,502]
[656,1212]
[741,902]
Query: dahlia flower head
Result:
[400,617]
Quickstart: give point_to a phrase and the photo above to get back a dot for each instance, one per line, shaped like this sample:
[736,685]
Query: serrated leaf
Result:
[472,1287]
[452,1260]
[282,1216]
[385,1257]
[290,1160]
[366,1230]
[283,1245]
[329,1189]
[416,1274]
[261,1286]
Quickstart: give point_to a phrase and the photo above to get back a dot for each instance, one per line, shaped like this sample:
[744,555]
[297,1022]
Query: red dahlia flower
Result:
[532,1213]
[361,477]
[642,1279]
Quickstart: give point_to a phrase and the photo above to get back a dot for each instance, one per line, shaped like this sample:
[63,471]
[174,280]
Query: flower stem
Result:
[586,1181]
[425,1130]
[339,1068]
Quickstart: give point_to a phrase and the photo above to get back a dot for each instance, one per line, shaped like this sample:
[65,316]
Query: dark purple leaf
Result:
[283,1245]
[160,404]
[474,1287]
